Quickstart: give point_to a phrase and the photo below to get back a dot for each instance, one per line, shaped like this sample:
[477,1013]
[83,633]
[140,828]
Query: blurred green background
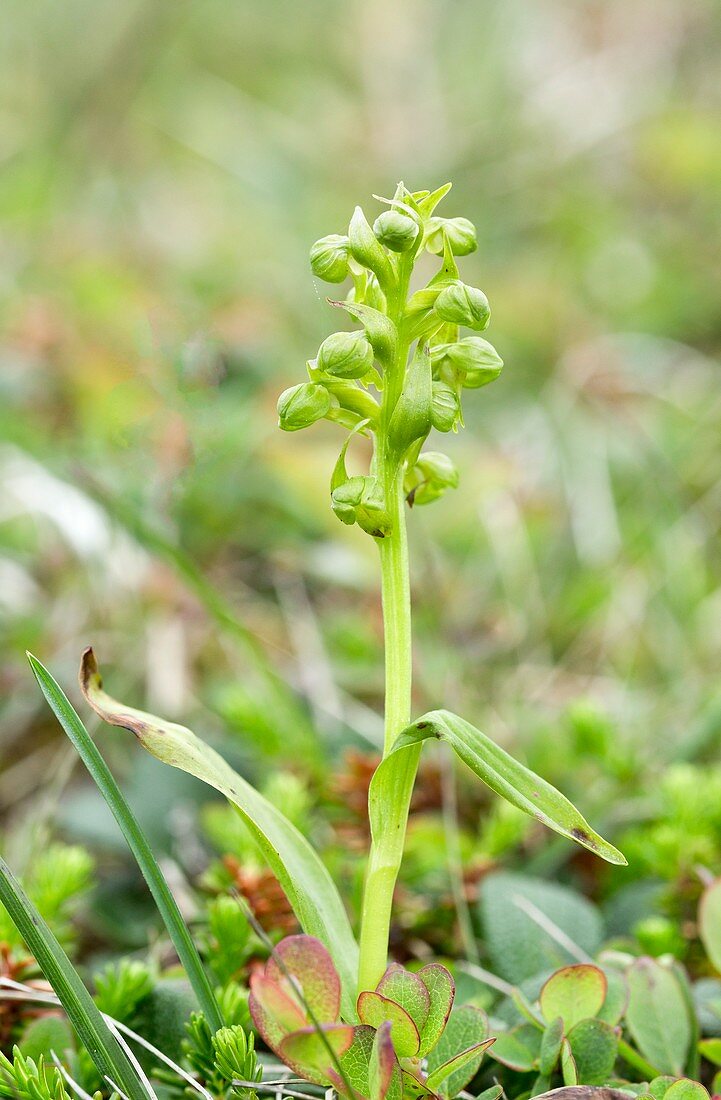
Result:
[165,167]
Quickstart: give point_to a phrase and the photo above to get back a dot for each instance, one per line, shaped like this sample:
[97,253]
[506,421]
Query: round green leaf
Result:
[574,993]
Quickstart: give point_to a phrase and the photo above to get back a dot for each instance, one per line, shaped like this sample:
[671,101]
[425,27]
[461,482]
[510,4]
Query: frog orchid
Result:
[409,1043]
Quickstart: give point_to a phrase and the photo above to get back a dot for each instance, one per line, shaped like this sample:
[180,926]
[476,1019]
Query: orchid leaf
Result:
[304,878]
[499,771]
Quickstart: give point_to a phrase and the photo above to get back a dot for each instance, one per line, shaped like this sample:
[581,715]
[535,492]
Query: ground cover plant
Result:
[330,1008]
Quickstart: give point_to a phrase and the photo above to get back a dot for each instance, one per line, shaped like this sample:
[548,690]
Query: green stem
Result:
[387,851]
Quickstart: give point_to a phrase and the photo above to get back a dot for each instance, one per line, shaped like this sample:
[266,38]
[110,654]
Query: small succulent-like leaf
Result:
[551,1047]
[614,1006]
[709,922]
[660,1086]
[299,869]
[355,1065]
[686,1089]
[407,990]
[309,965]
[467,1027]
[441,990]
[499,771]
[275,1012]
[384,1072]
[594,1046]
[657,1015]
[569,1070]
[464,1064]
[573,993]
[518,1048]
[313,1052]
[711,1050]
[374,1010]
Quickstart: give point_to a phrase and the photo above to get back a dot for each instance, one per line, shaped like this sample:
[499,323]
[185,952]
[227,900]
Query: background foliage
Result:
[165,167]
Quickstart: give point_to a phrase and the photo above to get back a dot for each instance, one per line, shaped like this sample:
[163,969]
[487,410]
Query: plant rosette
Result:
[408,1042]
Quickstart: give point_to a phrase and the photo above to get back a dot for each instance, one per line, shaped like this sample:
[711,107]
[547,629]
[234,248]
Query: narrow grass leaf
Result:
[103,1048]
[137,842]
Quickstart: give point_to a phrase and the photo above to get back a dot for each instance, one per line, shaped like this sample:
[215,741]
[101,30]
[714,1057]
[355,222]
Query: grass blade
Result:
[167,906]
[83,1013]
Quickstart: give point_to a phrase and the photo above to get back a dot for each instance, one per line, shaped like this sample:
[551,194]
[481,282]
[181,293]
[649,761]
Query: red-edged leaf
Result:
[384,1073]
[308,963]
[408,991]
[274,1013]
[312,1053]
[441,990]
[374,1010]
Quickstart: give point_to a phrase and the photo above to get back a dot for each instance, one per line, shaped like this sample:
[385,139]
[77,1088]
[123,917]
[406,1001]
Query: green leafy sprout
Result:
[348,1020]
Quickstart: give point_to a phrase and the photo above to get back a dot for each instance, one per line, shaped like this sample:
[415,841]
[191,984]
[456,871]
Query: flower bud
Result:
[411,417]
[367,250]
[395,230]
[300,406]
[360,500]
[446,408]
[463,305]
[345,355]
[380,330]
[475,360]
[432,474]
[329,258]
[460,232]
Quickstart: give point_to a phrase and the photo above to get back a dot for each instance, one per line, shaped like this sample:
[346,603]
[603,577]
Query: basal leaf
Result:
[301,873]
[499,771]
